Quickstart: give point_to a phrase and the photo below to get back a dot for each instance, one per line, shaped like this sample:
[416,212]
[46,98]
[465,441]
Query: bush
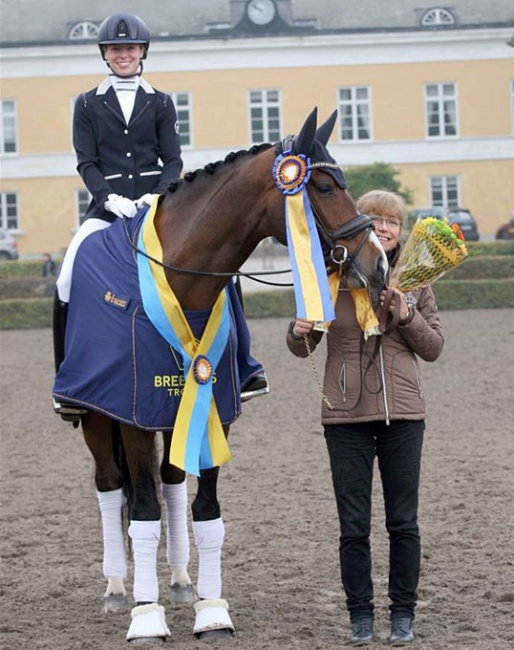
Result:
[31,313]
[475,294]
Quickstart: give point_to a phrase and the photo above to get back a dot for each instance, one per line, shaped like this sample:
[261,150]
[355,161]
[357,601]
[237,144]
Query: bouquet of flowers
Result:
[432,248]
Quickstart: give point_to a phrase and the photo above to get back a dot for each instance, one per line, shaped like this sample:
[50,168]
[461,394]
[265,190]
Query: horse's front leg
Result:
[99,436]
[148,618]
[174,495]
[212,617]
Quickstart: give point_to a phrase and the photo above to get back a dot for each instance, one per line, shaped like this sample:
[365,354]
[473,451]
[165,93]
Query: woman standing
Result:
[377,410]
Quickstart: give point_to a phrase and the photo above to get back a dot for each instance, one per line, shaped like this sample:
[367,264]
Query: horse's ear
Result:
[303,141]
[325,130]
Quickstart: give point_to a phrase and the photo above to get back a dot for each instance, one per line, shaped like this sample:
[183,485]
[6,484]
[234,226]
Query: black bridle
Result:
[333,252]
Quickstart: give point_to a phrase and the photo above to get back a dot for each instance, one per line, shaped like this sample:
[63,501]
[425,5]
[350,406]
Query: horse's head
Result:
[347,237]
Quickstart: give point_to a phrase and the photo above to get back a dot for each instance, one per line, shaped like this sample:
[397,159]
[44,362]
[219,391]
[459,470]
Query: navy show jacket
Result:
[131,159]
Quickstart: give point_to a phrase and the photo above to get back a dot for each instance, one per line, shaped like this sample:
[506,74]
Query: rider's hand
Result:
[120,206]
[146,199]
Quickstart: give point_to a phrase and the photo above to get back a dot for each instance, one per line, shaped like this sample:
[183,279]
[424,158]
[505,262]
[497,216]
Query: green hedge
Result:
[484,281]
[31,313]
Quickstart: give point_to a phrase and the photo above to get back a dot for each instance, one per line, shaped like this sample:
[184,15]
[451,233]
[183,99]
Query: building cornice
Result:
[314,50]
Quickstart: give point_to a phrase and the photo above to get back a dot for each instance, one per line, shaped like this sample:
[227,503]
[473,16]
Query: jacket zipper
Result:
[382,376]
[342,381]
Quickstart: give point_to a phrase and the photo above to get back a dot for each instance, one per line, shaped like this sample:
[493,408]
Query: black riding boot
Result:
[68,412]
[60,317]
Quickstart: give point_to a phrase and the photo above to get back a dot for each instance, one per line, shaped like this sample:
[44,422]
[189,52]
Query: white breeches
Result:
[65,274]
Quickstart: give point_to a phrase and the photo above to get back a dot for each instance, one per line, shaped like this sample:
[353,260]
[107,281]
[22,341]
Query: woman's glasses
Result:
[389,222]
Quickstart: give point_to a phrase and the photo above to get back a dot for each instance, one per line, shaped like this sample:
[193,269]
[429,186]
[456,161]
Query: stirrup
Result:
[68,412]
[256,386]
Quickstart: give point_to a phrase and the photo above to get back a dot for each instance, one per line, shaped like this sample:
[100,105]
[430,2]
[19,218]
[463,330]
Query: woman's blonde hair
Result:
[382,202]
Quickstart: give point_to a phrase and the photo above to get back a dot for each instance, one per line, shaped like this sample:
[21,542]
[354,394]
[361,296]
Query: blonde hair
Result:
[382,202]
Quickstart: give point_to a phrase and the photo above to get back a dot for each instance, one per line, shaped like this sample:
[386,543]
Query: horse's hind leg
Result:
[98,434]
[212,617]
[174,494]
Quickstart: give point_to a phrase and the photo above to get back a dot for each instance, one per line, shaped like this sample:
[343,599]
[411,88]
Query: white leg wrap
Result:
[115,561]
[212,615]
[177,534]
[65,274]
[145,537]
[148,622]
[209,537]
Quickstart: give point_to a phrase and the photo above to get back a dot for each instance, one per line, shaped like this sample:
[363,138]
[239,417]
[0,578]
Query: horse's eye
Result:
[324,188]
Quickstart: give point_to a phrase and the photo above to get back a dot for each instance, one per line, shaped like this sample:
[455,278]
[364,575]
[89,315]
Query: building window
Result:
[437,17]
[8,136]
[9,214]
[182,103]
[83,30]
[441,110]
[444,190]
[82,200]
[264,116]
[355,113]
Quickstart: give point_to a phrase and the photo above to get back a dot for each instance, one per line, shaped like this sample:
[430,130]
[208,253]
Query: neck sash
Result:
[198,440]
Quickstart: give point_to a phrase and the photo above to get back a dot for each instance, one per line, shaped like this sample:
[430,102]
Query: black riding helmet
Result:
[123,28]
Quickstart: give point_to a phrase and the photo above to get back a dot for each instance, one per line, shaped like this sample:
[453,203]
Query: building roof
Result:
[182,19]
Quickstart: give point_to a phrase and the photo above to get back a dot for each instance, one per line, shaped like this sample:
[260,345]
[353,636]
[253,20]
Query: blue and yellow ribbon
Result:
[198,440]
[314,297]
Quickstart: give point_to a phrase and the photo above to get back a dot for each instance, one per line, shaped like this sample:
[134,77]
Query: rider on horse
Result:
[126,137]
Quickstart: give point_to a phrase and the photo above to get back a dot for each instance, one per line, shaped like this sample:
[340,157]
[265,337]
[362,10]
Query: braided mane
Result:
[211,168]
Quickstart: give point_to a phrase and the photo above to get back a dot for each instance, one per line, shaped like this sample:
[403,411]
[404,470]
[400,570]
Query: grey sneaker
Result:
[362,632]
[401,631]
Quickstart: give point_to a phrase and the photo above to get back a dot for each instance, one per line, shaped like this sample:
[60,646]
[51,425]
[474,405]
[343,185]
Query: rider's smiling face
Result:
[124,59]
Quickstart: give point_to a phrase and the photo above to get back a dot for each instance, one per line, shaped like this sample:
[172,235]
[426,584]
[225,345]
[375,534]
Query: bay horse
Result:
[208,224]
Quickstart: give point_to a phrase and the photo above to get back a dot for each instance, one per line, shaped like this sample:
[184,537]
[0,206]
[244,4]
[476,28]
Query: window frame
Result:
[3,117]
[266,105]
[189,108]
[355,102]
[4,209]
[445,201]
[440,100]
[80,216]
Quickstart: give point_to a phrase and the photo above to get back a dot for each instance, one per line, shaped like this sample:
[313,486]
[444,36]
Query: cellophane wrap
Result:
[432,248]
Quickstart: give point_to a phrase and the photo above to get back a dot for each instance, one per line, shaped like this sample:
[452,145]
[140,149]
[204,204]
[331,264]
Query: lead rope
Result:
[315,372]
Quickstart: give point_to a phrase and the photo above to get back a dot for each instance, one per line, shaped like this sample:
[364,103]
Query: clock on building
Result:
[261,12]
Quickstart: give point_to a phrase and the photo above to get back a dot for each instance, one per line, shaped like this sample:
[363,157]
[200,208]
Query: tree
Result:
[378,176]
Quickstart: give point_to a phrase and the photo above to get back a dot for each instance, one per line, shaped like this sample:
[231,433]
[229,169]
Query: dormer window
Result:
[83,30]
[437,16]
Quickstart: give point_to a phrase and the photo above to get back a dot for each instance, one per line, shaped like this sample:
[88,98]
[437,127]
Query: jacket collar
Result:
[106,84]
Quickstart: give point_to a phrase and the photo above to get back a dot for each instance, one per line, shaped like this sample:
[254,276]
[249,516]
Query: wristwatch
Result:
[261,12]
[408,318]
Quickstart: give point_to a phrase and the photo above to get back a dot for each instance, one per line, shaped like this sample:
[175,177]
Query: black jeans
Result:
[352,449]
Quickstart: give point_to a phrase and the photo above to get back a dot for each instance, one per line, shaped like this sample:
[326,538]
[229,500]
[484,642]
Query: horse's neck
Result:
[209,228]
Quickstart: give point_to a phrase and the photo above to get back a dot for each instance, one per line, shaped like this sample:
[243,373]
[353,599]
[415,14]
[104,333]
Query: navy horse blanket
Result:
[116,362]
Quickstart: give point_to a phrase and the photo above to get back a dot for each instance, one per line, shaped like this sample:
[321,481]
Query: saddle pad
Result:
[116,362]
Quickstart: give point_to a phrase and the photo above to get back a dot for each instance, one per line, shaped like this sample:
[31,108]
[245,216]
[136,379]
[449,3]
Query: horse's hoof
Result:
[212,619]
[115,603]
[215,634]
[150,640]
[148,624]
[181,594]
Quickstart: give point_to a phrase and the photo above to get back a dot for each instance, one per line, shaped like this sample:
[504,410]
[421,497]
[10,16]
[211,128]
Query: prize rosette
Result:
[432,248]
[202,369]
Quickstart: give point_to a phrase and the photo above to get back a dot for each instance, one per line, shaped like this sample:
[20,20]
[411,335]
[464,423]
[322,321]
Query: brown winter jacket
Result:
[391,386]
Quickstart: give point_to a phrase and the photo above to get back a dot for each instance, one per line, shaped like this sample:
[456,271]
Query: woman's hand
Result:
[398,297]
[302,327]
